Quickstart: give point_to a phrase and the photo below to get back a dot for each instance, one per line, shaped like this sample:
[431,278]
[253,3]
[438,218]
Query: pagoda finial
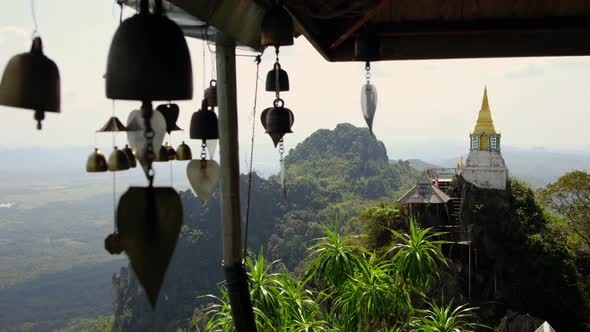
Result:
[484,103]
[484,124]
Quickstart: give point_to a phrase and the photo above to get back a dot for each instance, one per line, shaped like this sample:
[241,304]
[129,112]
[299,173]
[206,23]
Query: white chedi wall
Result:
[486,169]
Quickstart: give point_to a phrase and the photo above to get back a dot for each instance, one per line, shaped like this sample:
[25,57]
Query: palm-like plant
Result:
[335,259]
[371,297]
[444,319]
[264,288]
[418,256]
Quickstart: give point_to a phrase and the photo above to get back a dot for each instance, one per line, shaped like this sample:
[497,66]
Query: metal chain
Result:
[277,65]
[281,148]
[147,112]
[203,150]
[368,72]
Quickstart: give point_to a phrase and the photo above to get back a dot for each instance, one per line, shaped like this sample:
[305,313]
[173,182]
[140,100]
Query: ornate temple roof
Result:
[484,124]
[424,193]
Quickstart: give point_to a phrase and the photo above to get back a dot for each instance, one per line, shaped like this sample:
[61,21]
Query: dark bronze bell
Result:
[279,121]
[130,156]
[149,59]
[170,113]
[161,154]
[118,160]
[271,79]
[277,27]
[96,162]
[204,124]
[211,94]
[170,151]
[31,81]
[113,124]
[183,152]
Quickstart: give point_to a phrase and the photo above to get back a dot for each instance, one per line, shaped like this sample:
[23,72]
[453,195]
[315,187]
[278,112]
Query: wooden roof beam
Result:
[354,28]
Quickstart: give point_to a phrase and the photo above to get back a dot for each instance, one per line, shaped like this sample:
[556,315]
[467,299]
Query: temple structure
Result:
[485,167]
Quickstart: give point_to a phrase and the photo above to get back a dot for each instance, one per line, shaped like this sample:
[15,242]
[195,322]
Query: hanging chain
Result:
[368,72]
[203,150]
[281,149]
[258,60]
[277,66]
[34,16]
[149,134]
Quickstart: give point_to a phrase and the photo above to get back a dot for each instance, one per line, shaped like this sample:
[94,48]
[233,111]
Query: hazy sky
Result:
[425,104]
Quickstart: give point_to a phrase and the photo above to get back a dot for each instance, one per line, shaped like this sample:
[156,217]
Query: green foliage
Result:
[378,219]
[360,292]
[418,256]
[335,259]
[98,324]
[443,318]
[569,197]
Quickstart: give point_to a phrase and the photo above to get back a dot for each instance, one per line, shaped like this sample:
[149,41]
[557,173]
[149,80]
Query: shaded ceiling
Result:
[410,29]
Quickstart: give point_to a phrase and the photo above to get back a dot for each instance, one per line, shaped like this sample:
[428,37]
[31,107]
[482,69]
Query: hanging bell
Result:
[277,27]
[211,94]
[118,160]
[31,81]
[278,121]
[271,79]
[161,155]
[96,162]
[183,152]
[204,124]
[170,113]
[149,59]
[170,151]
[130,156]
[113,124]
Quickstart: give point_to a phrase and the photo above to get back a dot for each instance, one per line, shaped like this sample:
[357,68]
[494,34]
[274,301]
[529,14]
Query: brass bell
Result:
[170,113]
[278,121]
[277,27]
[113,124]
[204,124]
[170,151]
[31,81]
[161,155]
[183,152]
[149,59]
[272,78]
[96,162]
[211,94]
[130,156]
[118,160]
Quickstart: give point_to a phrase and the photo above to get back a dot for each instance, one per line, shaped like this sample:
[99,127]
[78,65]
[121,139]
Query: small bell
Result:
[170,113]
[170,151]
[211,94]
[271,79]
[278,121]
[204,124]
[118,160]
[31,81]
[149,59]
[96,162]
[130,156]
[277,27]
[113,124]
[162,154]
[183,152]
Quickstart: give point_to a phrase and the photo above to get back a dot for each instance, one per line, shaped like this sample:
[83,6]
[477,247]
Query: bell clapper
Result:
[39,116]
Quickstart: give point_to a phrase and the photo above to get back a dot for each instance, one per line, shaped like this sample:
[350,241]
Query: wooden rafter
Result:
[370,14]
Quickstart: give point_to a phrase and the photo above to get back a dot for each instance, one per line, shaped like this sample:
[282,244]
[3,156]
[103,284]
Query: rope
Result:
[258,60]
[34,15]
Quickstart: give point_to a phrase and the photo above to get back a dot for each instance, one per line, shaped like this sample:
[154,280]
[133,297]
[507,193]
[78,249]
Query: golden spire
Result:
[485,124]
